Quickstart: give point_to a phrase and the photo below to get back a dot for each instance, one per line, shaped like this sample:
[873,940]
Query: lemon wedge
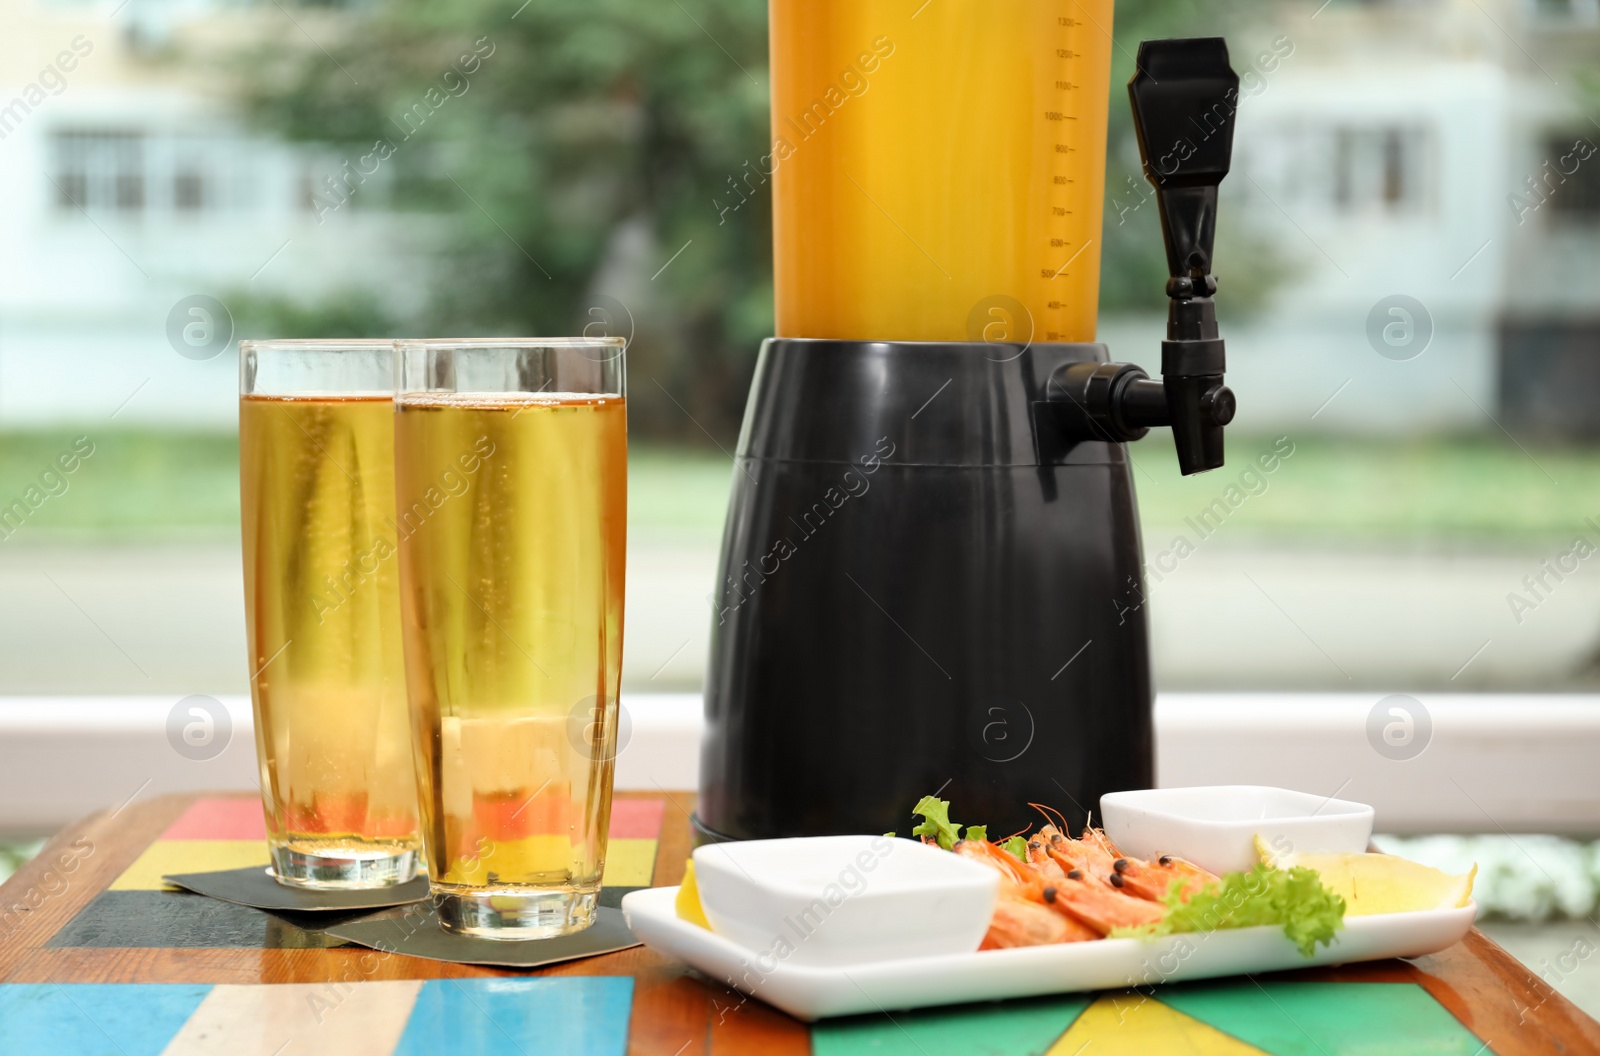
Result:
[687,903]
[1380,883]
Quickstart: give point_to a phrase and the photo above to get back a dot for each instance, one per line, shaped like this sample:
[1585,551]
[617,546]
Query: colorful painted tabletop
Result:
[98,956]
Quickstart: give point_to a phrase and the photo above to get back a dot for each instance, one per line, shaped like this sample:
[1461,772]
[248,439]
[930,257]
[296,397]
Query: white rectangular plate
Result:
[1105,964]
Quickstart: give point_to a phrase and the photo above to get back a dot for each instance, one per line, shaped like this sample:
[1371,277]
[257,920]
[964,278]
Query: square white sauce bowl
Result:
[1215,826]
[834,901]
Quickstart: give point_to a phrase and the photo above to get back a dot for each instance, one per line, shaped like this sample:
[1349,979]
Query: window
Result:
[195,168]
[1378,169]
[1575,162]
[156,171]
[188,189]
[1560,13]
[1344,166]
[94,169]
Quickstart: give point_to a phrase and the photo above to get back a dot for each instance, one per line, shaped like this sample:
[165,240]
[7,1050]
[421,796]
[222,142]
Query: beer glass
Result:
[511,477]
[322,610]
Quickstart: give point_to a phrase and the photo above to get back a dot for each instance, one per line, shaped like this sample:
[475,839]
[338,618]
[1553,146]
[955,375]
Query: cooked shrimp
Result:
[1194,877]
[1072,890]
[1096,857]
[1082,895]
[1017,922]
[1077,856]
[1016,877]
[1039,858]
[1152,880]
[1102,908]
[1023,915]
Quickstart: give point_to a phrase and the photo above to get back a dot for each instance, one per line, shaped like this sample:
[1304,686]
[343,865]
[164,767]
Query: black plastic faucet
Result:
[1185,97]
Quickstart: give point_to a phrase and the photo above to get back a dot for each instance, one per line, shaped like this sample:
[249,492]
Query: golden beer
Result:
[937,169]
[333,735]
[512,536]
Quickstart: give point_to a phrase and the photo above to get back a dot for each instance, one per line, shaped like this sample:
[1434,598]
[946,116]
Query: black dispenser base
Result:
[923,588]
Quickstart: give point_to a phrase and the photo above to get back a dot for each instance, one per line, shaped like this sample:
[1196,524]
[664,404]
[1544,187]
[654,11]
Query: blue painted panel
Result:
[569,1016]
[94,1019]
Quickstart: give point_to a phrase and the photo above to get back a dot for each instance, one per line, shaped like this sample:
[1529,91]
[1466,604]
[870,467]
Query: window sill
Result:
[1493,763]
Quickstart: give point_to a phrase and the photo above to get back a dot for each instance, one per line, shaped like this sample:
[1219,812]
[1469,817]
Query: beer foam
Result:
[503,400]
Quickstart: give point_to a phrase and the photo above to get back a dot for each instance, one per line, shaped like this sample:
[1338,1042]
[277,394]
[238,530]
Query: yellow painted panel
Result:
[629,863]
[1136,1025]
[168,857]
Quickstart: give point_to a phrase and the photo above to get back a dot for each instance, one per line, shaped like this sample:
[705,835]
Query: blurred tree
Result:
[578,148]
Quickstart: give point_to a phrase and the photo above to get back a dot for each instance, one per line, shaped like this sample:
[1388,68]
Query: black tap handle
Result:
[1184,98]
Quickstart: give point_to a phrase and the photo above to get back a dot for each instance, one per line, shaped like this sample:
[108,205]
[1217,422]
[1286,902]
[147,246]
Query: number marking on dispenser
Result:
[1059,226]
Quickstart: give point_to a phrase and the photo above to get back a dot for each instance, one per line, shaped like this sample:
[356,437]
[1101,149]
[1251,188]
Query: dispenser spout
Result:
[1184,99]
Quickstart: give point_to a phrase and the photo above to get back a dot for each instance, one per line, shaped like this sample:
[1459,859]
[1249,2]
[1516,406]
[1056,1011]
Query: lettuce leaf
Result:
[937,824]
[1295,899]
[936,821]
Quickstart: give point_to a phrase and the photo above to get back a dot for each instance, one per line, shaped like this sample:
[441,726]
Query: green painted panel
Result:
[1327,1019]
[1002,1028]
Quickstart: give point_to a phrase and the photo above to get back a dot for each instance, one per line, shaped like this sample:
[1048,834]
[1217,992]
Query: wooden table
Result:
[60,924]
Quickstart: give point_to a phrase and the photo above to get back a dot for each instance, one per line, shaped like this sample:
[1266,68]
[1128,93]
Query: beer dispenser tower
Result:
[930,574]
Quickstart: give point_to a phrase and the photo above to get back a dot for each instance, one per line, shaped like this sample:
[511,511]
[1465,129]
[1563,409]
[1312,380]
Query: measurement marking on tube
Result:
[1059,228]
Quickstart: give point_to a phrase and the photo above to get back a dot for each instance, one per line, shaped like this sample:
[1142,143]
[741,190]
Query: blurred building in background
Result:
[130,185]
[1434,150]
[1438,151]
[1410,236]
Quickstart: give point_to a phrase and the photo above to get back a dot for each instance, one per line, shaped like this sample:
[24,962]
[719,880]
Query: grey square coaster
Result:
[255,887]
[414,931]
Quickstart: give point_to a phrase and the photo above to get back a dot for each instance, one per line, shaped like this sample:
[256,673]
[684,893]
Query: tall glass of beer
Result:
[322,610]
[511,478]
